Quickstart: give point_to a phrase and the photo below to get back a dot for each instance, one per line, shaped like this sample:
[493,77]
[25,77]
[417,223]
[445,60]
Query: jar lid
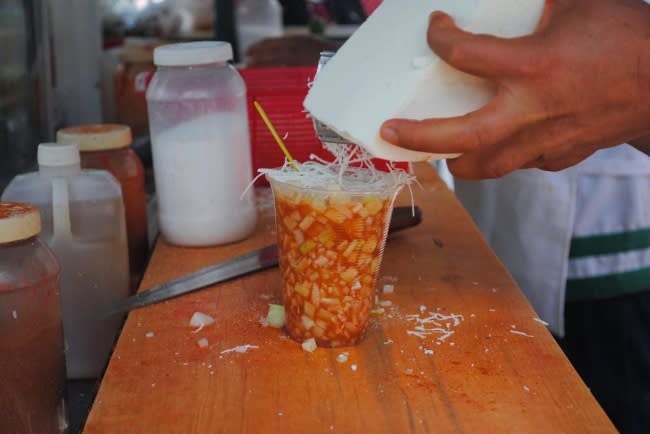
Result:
[192,53]
[58,154]
[96,137]
[18,221]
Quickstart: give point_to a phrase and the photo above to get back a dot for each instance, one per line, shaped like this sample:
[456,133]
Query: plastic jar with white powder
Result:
[200,144]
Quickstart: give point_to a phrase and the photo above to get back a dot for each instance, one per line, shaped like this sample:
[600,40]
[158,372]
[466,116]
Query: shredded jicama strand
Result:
[351,170]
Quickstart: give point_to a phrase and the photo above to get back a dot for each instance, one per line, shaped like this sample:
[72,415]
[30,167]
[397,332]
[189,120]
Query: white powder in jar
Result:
[201,168]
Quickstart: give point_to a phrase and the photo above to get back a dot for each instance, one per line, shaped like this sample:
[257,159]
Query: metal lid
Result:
[18,221]
[58,154]
[96,137]
[192,53]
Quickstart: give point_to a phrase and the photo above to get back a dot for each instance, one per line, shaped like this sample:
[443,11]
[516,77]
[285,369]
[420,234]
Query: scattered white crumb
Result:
[353,367]
[203,342]
[423,308]
[408,371]
[541,321]
[492,310]
[512,326]
[385,303]
[342,358]
[474,283]
[309,345]
[280,413]
[239,349]
[149,334]
[388,341]
[389,289]
[377,310]
[517,332]
[428,352]
[264,322]
[14,314]
[265,296]
[526,388]
[494,290]
[200,320]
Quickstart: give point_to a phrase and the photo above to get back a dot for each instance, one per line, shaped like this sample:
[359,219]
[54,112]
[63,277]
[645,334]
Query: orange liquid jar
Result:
[107,147]
[32,364]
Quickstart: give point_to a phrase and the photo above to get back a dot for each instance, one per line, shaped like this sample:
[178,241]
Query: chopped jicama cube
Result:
[309,345]
[276,316]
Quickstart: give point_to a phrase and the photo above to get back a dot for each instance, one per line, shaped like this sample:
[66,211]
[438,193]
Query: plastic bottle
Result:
[83,222]
[107,147]
[200,145]
[257,20]
[32,365]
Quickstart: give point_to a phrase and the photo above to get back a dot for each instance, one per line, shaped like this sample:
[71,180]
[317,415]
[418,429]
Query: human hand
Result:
[293,50]
[579,83]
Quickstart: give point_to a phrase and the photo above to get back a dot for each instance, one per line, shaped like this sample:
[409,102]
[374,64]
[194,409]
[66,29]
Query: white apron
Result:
[529,217]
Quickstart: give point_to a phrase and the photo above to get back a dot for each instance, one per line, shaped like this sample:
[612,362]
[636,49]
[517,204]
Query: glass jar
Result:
[32,364]
[198,121]
[130,80]
[107,147]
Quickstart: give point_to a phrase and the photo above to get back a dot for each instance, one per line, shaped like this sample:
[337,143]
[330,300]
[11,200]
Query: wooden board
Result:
[499,371]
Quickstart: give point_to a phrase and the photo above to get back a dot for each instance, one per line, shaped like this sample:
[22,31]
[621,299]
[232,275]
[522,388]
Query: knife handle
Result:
[404,217]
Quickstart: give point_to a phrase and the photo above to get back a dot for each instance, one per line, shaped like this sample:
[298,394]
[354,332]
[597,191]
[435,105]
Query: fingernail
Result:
[440,20]
[389,134]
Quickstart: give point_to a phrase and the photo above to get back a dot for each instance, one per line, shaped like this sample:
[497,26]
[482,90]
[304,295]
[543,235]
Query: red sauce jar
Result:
[32,361]
[107,147]
[130,80]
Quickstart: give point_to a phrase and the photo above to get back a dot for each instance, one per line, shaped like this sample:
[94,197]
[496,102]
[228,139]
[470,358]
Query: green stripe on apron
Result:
[610,243]
[609,285]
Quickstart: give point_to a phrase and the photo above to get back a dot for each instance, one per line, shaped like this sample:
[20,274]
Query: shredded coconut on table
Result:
[436,323]
[240,349]
[541,321]
[517,332]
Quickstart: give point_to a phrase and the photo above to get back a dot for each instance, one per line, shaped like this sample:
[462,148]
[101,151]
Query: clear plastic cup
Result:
[330,244]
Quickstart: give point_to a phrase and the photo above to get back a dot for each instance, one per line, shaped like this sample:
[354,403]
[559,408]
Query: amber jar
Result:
[32,363]
[107,147]
[130,81]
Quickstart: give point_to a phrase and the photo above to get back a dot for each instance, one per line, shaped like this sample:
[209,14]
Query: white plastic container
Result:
[198,121]
[82,216]
[257,20]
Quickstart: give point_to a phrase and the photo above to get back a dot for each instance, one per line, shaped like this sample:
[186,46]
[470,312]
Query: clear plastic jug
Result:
[83,222]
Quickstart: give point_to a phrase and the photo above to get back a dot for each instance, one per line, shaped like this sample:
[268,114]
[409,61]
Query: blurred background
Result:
[70,62]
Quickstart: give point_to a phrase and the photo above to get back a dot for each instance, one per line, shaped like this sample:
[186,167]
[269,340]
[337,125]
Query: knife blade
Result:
[403,217]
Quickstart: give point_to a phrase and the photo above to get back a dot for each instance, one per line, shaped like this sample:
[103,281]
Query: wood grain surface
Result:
[486,365]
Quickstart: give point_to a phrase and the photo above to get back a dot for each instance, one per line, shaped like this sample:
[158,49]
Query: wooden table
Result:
[491,367]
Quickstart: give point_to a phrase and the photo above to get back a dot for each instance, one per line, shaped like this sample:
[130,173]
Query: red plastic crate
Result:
[281,92]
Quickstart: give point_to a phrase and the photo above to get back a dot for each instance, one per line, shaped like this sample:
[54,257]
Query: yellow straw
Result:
[275,135]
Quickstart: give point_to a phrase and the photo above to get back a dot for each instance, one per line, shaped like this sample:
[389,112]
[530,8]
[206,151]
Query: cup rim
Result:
[386,190]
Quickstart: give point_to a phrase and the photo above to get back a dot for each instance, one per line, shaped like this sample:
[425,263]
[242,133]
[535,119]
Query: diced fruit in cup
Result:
[331,246]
